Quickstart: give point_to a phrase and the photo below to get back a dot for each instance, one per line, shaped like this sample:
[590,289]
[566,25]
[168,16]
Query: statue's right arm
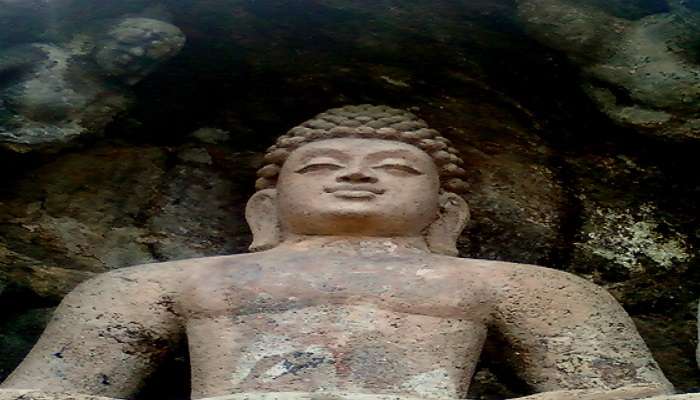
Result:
[105,337]
[570,339]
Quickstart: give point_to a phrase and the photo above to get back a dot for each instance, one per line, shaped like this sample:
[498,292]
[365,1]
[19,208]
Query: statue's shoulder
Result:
[504,274]
[169,274]
[189,264]
[148,285]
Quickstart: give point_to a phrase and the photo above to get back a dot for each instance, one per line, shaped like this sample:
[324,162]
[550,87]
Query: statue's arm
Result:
[569,335]
[106,336]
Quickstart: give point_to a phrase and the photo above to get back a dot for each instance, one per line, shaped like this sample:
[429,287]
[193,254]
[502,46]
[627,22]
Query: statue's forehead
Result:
[359,147]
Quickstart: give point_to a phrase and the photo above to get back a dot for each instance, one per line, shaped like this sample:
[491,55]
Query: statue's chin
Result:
[356,218]
[352,222]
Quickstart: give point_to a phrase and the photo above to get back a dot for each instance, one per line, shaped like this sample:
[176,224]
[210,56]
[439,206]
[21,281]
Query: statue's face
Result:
[358,187]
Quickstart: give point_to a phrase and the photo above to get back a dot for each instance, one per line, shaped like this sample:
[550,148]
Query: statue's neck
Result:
[361,244]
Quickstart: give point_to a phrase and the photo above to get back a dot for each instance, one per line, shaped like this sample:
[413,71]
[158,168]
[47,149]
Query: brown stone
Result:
[354,289]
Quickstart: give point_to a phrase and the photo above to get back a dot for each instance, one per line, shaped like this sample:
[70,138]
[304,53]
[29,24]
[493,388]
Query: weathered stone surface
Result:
[135,46]
[179,224]
[75,210]
[73,218]
[62,91]
[514,108]
[191,176]
[642,73]
[362,396]
[638,59]
[352,286]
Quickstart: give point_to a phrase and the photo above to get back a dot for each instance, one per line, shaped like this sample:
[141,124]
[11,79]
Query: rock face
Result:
[135,46]
[642,73]
[575,120]
[58,92]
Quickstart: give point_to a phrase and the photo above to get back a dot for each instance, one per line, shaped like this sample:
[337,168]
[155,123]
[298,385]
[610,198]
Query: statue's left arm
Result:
[568,335]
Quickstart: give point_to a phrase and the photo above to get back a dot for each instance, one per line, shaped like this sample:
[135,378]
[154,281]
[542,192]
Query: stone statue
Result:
[352,291]
[642,73]
[53,93]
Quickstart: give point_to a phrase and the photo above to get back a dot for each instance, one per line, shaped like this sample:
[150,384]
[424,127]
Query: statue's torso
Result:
[307,322]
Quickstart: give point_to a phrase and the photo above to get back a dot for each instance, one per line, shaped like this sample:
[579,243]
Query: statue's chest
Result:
[345,323]
[403,286]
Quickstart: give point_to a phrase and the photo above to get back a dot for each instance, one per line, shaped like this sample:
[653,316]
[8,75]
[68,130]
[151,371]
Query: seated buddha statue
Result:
[352,290]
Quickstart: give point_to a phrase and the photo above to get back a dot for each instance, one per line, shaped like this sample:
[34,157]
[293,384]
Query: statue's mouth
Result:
[354,191]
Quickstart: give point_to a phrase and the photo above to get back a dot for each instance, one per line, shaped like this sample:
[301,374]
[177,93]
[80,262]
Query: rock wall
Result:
[556,177]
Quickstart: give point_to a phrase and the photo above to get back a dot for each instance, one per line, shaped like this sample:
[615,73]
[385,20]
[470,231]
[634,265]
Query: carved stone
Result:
[66,90]
[33,395]
[352,291]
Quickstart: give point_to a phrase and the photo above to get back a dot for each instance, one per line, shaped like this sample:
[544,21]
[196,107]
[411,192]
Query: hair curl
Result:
[367,121]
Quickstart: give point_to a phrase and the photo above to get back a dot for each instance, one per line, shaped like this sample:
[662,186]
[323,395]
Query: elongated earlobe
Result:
[442,234]
[261,215]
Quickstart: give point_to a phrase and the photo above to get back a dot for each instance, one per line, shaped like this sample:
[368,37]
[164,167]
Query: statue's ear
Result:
[453,216]
[261,215]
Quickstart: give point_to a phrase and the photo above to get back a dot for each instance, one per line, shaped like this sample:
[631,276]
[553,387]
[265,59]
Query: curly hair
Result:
[367,121]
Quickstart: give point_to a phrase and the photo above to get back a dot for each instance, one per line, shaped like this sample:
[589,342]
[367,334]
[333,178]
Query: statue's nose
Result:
[357,176]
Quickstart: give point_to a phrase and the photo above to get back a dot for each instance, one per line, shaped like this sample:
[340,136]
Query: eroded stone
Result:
[351,288]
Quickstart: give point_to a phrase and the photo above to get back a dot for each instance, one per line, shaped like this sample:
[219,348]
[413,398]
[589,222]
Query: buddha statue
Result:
[352,290]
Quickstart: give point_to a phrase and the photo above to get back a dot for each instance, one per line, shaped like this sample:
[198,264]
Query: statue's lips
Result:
[354,191]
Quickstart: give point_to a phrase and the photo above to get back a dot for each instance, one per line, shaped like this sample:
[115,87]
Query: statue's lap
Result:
[36,395]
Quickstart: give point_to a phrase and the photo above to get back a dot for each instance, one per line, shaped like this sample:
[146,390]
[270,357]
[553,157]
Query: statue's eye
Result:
[317,167]
[398,169]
